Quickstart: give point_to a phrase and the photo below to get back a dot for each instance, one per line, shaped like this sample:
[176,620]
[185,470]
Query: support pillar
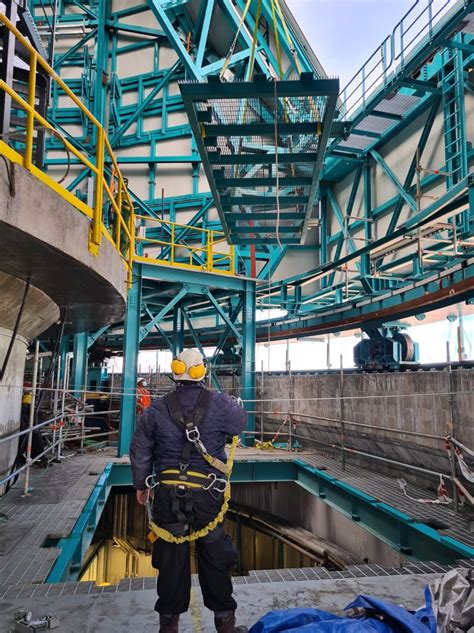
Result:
[79,364]
[248,390]
[178,331]
[130,365]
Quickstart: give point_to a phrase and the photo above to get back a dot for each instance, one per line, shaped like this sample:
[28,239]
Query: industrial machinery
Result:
[386,348]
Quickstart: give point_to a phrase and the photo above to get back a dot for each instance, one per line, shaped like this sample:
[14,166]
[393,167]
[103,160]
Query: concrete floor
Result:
[133,611]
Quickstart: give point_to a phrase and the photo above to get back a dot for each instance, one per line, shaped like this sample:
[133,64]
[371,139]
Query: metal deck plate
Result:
[260,140]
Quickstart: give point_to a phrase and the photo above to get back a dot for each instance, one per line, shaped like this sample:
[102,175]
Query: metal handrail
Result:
[213,260]
[120,200]
[381,65]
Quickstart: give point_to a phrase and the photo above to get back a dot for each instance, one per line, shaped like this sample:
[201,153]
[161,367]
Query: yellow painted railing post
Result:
[232,260]
[96,229]
[119,216]
[131,250]
[209,251]
[172,244]
[30,116]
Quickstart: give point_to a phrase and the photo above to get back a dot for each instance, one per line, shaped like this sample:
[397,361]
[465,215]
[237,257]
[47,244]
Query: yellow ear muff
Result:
[178,367]
[196,372]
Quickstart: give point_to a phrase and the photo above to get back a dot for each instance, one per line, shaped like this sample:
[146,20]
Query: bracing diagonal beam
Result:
[92,338]
[144,331]
[160,330]
[416,156]
[144,104]
[349,208]
[405,195]
[222,313]
[227,331]
[204,32]
[157,7]
[342,219]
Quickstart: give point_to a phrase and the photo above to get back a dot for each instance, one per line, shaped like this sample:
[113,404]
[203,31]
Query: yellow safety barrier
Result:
[111,195]
[198,249]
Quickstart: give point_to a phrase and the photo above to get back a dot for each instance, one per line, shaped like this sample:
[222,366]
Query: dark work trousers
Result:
[216,555]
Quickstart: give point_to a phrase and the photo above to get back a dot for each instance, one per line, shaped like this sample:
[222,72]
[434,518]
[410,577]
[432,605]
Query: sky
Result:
[344,33]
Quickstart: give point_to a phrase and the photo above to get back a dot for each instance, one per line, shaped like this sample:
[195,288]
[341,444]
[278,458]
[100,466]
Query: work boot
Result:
[169,623]
[227,624]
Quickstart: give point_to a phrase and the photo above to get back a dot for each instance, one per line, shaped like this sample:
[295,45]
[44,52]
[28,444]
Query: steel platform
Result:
[261,140]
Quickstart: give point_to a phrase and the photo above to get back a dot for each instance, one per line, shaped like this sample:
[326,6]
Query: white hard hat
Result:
[189,365]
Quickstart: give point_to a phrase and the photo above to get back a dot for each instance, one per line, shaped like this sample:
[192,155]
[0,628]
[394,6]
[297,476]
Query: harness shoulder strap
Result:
[174,409]
[201,406]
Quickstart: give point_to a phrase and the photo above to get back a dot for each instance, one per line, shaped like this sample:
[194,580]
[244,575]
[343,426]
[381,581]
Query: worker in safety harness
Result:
[181,439]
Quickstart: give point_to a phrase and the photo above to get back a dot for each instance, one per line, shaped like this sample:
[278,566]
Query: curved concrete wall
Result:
[45,238]
[38,314]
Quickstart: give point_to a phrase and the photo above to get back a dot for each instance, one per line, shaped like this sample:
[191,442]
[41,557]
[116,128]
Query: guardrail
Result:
[109,189]
[417,24]
[198,249]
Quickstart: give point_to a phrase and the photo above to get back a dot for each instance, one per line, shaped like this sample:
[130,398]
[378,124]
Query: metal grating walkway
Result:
[60,494]
[262,144]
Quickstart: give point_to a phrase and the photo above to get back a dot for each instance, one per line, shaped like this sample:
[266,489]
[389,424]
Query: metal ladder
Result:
[455,142]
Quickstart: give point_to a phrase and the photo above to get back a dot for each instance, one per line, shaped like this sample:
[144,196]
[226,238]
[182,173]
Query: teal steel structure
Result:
[385,239]
[412,538]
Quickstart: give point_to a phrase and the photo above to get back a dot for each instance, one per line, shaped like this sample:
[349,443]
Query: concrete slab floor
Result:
[133,611]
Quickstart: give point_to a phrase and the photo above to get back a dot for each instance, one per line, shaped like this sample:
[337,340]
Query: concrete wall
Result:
[291,502]
[38,314]
[405,402]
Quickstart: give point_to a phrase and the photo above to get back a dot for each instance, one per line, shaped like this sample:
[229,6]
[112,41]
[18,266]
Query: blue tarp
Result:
[396,620]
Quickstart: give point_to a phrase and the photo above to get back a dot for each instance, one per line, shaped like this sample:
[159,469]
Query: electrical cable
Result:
[15,330]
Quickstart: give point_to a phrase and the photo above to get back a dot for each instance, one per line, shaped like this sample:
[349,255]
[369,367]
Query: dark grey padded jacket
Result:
[158,442]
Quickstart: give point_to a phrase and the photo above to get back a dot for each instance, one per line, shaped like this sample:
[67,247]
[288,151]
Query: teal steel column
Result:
[79,364]
[130,364]
[178,331]
[365,259]
[248,390]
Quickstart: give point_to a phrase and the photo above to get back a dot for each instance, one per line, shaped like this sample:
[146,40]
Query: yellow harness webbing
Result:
[163,534]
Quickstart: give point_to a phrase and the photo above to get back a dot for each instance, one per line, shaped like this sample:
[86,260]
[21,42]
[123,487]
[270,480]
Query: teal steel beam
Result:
[131,346]
[222,313]
[73,549]
[160,330]
[261,159]
[178,331]
[79,364]
[286,181]
[141,107]
[226,333]
[157,7]
[411,202]
[144,331]
[365,266]
[92,338]
[248,380]
[168,273]
[204,31]
[425,134]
